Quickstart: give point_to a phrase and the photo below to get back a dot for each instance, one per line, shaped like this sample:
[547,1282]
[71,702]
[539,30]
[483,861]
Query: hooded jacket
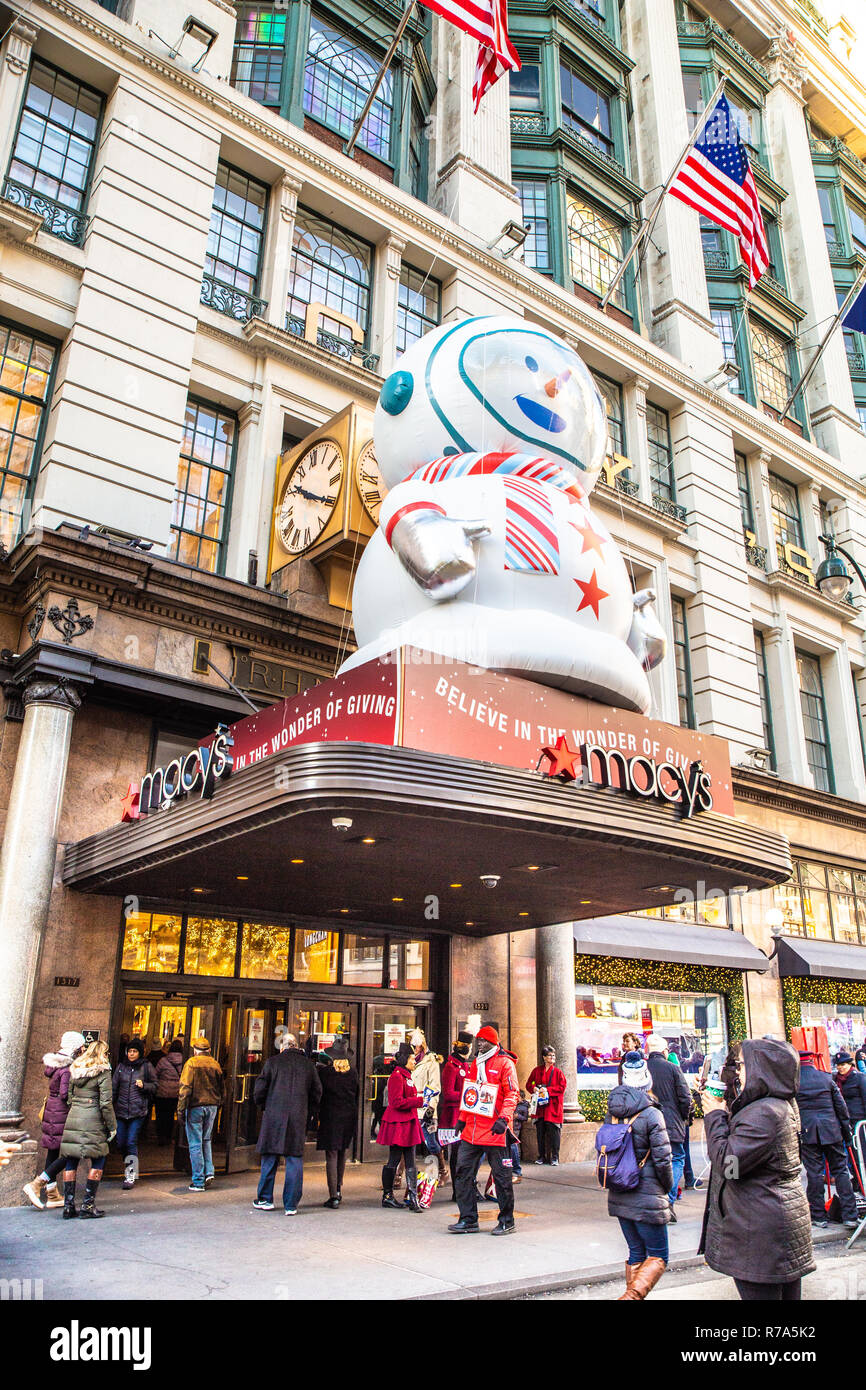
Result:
[500,1070]
[132,1102]
[91,1117]
[756,1223]
[56,1065]
[649,1200]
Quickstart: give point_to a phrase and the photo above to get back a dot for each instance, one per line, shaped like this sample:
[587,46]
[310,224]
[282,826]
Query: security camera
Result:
[342,822]
[490,880]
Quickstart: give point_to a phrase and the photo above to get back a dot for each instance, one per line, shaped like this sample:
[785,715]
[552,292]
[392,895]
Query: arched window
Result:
[331,267]
[594,246]
[338,77]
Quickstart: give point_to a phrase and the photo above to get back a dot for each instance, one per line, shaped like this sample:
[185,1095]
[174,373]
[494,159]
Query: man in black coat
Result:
[674,1100]
[825,1129]
[288,1089]
[852,1084]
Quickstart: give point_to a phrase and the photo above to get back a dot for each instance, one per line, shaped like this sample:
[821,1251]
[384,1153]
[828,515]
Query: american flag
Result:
[716,179]
[486,21]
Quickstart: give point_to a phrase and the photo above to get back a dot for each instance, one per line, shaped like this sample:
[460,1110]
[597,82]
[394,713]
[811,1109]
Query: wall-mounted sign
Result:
[67,981]
[481,1008]
[640,774]
[199,770]
[395,1033]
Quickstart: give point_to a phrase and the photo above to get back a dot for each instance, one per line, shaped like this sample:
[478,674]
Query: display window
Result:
[692,1024]
[844,1024]
[316,954]
[151,942]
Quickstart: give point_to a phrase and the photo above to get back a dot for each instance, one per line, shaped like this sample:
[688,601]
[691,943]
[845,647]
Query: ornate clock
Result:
[309,496]
[369,481]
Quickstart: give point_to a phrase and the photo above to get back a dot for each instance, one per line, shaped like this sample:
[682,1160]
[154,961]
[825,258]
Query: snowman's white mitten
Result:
[647,638]
[436,550]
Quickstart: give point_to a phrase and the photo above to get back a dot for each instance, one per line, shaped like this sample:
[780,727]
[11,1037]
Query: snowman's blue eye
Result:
[397,392]
[532,364]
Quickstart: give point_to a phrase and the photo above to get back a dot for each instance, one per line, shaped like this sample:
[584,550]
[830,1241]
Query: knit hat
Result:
[656,1043]
[134,1045]
[844,1059]
[487,1034]
[635,1072]
[71,1043]
[403,1053]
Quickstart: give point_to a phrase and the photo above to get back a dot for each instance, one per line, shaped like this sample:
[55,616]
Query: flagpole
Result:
[386,61]
[650,222]
[807,375]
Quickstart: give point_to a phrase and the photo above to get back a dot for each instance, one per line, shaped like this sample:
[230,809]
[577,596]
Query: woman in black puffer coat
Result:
[644,1211]
[133,1089]
[756,1224]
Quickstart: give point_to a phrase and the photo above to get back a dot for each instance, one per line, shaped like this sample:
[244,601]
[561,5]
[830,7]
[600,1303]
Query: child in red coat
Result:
[400,1129]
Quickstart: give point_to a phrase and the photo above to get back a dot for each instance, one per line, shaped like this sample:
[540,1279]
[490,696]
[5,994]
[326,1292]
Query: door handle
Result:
[243,1078]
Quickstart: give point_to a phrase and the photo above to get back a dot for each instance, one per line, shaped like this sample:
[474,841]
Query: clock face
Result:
[309,497]
[369,480]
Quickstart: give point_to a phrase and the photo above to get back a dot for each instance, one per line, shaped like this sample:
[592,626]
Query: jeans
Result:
[293,1182]
[644,1240]
[199,1127]
[95,1164]
[469,1158]
[515,1160]
[768,1293]
[678,1158]
[127,1134]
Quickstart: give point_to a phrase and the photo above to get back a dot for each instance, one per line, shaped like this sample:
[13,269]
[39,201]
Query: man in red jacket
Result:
[490,1094]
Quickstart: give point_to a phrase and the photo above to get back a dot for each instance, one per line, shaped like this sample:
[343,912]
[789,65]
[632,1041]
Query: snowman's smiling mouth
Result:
[540,414]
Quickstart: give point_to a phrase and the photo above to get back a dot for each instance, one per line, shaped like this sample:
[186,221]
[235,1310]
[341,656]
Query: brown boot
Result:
[644,1279]
[52,1196]
[35,1191]
[630,1272]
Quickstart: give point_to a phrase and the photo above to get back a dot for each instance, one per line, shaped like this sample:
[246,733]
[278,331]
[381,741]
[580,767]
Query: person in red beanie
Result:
[490,1095]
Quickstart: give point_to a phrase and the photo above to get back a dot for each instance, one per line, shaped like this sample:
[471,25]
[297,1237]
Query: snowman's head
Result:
[487,385]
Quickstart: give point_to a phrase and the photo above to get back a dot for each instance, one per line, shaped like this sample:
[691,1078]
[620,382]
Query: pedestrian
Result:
[42,1191]
[673,1098]
[199,1097]
[521,1115]
[90,1127]
[338,1115]
[642,1211]
[486,1111]
[860,1057]
[288,1090]
[157,1052]
[133,1087]
[549,1082]
[168,1070]
[427,1080]
[631,1042]
[400,1131]
[825,1130]
[852,1084]
[455,1070]
[756,1220]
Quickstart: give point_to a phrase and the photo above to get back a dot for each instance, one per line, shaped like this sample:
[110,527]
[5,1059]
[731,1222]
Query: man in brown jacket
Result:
[200,1095]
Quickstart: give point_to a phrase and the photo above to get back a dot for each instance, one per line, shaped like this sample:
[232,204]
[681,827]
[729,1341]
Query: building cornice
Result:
[760,789]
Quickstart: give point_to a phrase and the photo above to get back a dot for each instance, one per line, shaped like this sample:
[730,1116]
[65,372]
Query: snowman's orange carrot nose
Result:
[556,383]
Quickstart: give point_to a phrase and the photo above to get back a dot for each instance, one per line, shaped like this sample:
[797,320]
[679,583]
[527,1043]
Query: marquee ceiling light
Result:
[455,885]
[396,900]
[523,914]
[198,890]
[585,902]
[297,861]
[243,878]
[368,840]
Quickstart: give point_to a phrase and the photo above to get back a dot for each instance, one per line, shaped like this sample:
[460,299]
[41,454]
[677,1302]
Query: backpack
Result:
[616,1166]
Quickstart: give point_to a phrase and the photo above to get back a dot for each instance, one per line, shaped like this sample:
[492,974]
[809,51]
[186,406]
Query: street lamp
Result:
[831,576]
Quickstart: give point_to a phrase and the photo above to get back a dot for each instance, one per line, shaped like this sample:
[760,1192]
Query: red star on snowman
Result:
[591,539]
[592,593]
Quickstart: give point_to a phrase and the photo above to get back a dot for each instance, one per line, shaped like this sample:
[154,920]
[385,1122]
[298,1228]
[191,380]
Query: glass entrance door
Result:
[316,1024]
[387,1026]
[247,1040]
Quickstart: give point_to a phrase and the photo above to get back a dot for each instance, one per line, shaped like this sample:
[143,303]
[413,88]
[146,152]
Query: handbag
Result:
[41,1112]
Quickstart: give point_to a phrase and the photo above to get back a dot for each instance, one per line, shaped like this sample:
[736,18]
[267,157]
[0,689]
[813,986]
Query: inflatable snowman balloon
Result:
[489,436]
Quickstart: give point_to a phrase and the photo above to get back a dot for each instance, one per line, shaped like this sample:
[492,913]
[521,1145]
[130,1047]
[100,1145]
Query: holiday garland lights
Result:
[662,975]
[803,989]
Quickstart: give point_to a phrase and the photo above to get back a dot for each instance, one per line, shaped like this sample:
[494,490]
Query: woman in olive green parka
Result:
[90,1126]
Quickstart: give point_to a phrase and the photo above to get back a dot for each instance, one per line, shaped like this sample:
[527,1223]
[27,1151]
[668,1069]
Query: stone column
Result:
[383,338]
[281,232]
[634,404]
[14,65]
[764,524]
[27,869]
[784,685]
[554,998]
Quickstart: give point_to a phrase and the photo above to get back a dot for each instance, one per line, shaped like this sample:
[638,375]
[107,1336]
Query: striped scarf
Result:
[531,543]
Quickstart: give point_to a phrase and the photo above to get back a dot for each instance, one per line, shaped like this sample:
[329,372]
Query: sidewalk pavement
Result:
[180,1245]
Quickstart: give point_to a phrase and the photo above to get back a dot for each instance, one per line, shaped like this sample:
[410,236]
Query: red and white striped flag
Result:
[716,179]
[486,21]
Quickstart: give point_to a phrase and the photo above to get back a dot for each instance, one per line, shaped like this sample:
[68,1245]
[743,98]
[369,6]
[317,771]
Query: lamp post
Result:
[831,576]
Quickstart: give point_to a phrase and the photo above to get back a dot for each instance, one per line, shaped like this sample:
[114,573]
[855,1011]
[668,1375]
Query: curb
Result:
[568,1279]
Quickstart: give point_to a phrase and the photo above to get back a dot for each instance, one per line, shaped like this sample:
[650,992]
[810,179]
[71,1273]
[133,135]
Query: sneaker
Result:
[539,1162]
[503,1228]
[263,1206]
[820,1225]
[195,1187]
[208,1180]
[291,1211]
[851,1225]
[554,1163]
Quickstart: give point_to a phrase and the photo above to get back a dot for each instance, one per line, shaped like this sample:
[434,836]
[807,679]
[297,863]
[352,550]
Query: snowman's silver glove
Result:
[436,550]
[647,638]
